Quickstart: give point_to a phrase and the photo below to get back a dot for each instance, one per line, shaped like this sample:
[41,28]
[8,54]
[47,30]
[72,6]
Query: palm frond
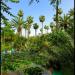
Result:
[31,1]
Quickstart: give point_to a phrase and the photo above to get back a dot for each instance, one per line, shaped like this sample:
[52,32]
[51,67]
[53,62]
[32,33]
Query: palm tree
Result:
[46,28]
[56,3]
[20,14]
[42,19]
[25,27]
[35,26]
[29,21]
[18,22]
[64,21]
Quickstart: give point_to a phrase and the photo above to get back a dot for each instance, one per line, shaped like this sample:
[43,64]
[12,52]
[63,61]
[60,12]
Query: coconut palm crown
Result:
[35,26]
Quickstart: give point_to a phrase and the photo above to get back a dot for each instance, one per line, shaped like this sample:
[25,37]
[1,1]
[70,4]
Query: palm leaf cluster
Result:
[5,8]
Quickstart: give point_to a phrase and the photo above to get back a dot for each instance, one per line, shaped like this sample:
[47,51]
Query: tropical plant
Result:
[70,28]
[7,31]
[17,22]
[35,26]
[5,8]
[64,21]
[71,12]
[30,21]
[56,3]
[7,35]
[42,19]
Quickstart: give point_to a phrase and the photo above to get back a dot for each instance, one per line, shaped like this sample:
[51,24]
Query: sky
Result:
[35,10]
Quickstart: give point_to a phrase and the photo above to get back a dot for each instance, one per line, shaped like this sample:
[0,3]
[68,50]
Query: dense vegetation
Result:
[31,54]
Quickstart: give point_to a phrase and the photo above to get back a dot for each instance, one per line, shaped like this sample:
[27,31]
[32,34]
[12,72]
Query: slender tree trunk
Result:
[57,15]
[42,27]
[28,32]
[47,30]
[21,32]
[25,32]
[35,32]
[4,40]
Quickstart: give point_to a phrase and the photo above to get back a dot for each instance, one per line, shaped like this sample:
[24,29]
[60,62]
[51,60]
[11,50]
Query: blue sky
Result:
[42,8]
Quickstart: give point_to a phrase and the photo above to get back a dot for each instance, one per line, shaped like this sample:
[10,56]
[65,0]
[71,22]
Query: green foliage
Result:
[5,8]
[33,71]
[19,43]
[35,25]
[31,54]
[18,22]
[30,20]
[20,13]
[42,18]
[41,49]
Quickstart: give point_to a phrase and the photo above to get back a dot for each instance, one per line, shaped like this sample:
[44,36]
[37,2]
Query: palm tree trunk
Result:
[42,27]
[4,40]
[21,32]
[47,30]
[28,32]
[25,32]
[35,32]
[57,14]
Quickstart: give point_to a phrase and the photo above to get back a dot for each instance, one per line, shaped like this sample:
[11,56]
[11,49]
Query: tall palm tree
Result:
[29,21]
[56,3]
[42,19]
[25,27]
[18,22]
[35,26]
[46,28]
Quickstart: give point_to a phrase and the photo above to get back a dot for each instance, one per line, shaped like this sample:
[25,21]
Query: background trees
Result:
[34,52]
